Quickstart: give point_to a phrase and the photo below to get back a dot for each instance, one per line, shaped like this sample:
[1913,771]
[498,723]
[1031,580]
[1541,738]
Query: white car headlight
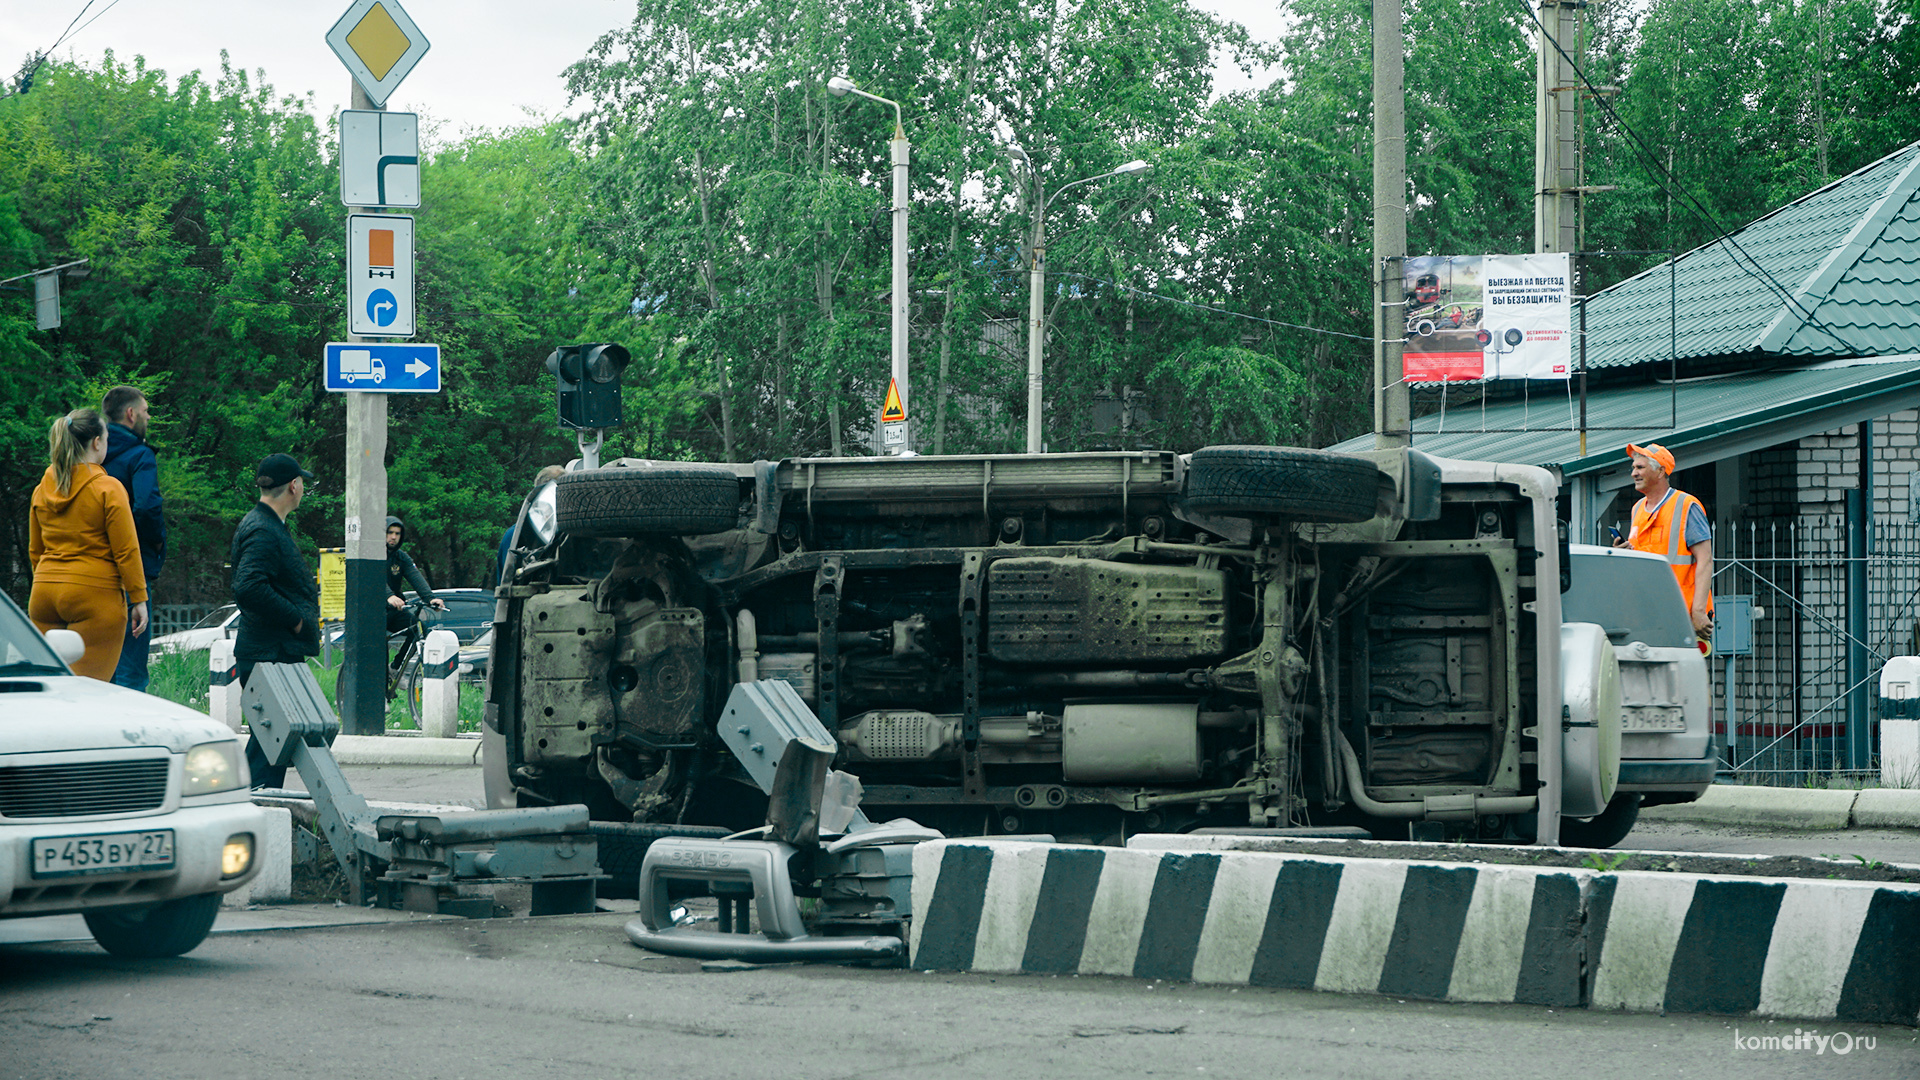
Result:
[542,511]
[214,766]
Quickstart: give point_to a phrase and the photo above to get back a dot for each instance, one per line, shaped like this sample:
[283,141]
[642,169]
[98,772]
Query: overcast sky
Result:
[494,63]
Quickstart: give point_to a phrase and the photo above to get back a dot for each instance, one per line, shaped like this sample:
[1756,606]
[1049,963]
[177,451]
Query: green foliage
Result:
[729,222]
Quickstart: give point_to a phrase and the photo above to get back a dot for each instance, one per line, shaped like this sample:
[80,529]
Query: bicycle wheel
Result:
[410,684]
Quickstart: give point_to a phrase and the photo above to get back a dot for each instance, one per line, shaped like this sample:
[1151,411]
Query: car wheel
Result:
[1606,828]
[672,500]
[168,928]
[1281,481]
[1424,328]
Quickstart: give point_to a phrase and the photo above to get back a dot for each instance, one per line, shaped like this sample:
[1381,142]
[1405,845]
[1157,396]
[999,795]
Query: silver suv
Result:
[1667,749]
[1082,644]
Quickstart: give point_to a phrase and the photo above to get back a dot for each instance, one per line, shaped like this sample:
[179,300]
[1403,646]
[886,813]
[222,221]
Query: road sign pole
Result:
[363,695]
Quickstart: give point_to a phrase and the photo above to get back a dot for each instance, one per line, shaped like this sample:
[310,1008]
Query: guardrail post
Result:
[440,685]
[223,688]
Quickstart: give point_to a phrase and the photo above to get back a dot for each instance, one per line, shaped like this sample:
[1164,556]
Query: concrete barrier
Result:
[1641,941]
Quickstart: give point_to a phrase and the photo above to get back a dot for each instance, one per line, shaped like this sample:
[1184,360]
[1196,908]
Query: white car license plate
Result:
[103,853]
[1653,718]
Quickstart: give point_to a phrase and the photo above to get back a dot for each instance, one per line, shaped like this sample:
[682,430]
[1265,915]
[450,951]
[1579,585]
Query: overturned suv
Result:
[1082,644]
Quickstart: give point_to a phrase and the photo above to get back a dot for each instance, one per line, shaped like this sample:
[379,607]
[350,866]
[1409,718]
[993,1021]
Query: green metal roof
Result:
[1717,417]
[1848,256]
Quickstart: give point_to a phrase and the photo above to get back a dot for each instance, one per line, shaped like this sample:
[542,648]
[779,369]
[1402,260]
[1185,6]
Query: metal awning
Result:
[1717,417]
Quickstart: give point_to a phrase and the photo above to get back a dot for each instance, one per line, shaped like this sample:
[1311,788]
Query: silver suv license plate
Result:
[103,853]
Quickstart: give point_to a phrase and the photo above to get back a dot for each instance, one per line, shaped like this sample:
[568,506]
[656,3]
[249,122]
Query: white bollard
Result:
[440,685]
[223,689]
[1900,722]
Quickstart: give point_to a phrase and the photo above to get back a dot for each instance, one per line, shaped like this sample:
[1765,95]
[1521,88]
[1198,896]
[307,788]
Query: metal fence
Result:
[1785,722]
[171,618]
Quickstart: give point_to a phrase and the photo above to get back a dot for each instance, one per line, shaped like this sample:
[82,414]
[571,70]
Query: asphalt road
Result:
[568,997]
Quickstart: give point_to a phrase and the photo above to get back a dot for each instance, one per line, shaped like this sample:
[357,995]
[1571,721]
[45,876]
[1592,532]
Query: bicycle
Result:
[404,670]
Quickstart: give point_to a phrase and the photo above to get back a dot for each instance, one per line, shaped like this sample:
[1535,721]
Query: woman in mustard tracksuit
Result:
[82,547]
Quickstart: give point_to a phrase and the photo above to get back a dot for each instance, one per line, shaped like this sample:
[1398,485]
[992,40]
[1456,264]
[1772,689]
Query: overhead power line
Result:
[1751,266]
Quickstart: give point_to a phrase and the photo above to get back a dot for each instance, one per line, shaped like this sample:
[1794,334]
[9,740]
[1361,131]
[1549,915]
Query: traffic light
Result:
[589,384]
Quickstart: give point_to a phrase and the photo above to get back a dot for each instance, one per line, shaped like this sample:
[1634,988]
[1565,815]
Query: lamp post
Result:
[1037,283]
[841,86]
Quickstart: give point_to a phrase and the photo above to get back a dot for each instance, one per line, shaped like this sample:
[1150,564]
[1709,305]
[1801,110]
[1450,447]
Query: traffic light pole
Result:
[362,699]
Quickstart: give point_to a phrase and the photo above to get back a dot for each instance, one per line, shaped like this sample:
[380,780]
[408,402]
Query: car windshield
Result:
[1633,599]
[22,650]
[219,615]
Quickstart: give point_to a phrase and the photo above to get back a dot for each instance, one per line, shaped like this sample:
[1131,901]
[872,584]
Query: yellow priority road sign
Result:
[379,43]
[893,411]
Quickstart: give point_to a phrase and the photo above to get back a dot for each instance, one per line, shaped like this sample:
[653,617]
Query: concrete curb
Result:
[1887,808]
[1782,808]
[1639,941]
[405,750]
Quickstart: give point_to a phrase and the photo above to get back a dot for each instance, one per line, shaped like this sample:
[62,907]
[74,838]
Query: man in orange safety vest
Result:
[1672,524]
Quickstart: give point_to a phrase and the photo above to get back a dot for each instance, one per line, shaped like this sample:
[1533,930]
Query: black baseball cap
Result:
[278,469]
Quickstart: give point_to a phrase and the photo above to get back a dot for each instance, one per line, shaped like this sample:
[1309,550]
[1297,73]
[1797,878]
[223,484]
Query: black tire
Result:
[658,500]
[1281,482]
[158,930]
[1424,328]
[623,847]
[1606,828]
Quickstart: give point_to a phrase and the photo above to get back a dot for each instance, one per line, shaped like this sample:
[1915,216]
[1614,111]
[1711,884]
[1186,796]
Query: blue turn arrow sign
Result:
[383,368]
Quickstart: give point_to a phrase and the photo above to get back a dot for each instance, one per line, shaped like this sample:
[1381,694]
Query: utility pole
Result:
[1557,165]
[1392,405]
[363,691]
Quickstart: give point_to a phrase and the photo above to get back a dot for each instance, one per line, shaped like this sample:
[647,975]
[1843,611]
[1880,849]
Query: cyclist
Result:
[400,573]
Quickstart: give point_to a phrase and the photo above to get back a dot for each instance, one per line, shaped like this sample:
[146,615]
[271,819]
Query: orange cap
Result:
[1655,453]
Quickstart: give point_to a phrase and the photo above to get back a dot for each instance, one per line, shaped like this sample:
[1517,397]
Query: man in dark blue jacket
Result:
[131,461]
[279,599]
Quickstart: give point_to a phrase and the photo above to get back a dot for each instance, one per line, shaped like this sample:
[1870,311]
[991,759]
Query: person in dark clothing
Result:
[132,461]
[279,599]
[400,573]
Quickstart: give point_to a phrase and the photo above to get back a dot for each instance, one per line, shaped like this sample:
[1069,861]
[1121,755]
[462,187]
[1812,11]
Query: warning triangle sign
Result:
[892,410]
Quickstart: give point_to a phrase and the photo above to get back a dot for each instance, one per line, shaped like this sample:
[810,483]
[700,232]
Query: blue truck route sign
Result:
[383,368]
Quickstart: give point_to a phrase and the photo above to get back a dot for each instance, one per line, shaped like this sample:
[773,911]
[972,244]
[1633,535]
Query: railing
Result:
[1790,695]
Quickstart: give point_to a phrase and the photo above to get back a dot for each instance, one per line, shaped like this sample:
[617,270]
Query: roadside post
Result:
[379,169]
[440,685]
[223,687]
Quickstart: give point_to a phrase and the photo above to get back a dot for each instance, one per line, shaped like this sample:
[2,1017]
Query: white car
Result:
[1668,753]
[124,808]
[223,622]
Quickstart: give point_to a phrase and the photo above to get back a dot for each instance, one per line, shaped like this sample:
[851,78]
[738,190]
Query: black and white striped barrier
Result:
[1639,941]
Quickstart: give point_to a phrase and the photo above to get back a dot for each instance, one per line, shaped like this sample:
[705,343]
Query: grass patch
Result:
[183,678]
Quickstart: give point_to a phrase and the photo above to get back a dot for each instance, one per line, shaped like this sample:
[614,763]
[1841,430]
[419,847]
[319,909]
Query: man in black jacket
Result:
[132,462]
[279,599]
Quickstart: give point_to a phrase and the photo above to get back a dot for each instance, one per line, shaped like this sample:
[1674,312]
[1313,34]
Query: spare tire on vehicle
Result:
[680,499]
[1263,482]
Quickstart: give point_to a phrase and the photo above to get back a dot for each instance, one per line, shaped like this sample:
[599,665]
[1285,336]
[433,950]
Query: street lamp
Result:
[841,86]
[1037,282]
